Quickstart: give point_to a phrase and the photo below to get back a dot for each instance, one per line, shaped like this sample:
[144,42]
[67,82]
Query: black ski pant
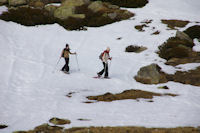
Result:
[66,66]
[105,69]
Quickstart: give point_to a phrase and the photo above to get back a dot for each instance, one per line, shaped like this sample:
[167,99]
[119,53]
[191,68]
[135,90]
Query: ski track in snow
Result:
[31,93]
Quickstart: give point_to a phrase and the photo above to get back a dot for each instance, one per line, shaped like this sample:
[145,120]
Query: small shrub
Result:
[193,32]
[127,3]
[134,48]
[175,23]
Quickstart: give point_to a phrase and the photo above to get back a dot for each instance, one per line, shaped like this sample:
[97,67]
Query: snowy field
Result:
[31,94]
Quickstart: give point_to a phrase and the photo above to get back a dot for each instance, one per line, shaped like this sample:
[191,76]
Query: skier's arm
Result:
[62,53]
[72,53]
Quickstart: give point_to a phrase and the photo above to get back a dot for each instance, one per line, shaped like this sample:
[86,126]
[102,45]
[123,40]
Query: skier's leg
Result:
[106,70]
[102,71]
[67,64]
[64,67]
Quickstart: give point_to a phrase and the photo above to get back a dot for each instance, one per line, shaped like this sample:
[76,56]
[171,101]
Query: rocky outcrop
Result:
[183,36]
[151,74]
[17,2]
[51,9]
[74,3]
[67,9]
[58,121]
[191,77]
[36,4]
[97,6]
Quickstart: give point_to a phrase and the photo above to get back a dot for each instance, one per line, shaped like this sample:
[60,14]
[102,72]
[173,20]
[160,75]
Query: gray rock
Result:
[151,74]
[17,2]
[112,15]
[63,12]
[50,8]
[97,6]
[183,36]
[72,3]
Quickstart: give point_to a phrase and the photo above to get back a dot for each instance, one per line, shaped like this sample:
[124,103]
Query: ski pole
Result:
[77,63]
[56,65]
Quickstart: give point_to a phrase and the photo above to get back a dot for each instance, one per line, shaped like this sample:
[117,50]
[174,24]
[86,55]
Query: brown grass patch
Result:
[175,23]
[133,130]
[128,94]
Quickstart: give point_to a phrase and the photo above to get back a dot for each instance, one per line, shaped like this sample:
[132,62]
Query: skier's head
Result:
[108,49]
[67,45]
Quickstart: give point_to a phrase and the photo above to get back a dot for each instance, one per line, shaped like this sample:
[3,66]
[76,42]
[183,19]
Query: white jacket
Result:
[105,57]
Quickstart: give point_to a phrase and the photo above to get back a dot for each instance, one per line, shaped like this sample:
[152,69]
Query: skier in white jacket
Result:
[105,57]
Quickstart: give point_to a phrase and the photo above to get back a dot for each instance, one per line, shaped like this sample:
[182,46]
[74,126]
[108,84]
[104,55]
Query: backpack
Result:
[101,56]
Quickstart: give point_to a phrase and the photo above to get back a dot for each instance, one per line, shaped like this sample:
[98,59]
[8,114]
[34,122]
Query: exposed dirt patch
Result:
[163,87]
[70,94]
[128,94]
[81,119]
[3,126]
[156,33]
[50,129]
[140,27]
[147,21]
[135,48]
[172,24]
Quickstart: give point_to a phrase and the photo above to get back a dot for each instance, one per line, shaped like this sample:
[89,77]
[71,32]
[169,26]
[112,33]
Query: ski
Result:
[96,77]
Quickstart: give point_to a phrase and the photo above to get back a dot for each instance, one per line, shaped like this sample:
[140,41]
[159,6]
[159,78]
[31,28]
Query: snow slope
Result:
[31,93]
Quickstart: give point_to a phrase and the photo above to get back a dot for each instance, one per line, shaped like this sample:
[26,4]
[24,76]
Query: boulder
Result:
[64,12]
[97,6]
[50,8]
[3,2]
[183,36]
[151,74]
[36,4]
[57,121]
[17,2]
[74,3]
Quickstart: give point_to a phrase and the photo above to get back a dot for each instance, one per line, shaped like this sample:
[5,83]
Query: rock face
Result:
[151,74]
[57,121]
[51,8]
[67,9]
[36,4]
[97,6]
[17,2]
[183,36]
